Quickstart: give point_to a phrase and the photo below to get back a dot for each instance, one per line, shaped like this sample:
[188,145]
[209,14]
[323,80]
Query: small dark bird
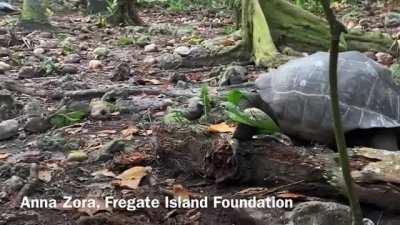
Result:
[8,9]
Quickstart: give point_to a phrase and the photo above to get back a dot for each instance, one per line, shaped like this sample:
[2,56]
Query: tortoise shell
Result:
[298,94]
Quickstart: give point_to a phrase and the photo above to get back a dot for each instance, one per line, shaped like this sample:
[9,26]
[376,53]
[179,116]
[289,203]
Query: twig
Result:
[14,86]
[337,29]
[270,191]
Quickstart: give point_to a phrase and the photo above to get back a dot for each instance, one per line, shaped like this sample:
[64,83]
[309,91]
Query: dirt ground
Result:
[95,178]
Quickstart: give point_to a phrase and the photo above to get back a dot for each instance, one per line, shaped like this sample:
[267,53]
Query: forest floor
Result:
[84,160]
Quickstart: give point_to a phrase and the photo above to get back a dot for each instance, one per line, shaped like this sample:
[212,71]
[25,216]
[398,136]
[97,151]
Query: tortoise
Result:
[296,95]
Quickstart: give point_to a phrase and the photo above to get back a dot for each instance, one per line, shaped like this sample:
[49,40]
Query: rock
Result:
[101,52]
[69,69]
[392,19]
[27,72]
[4,67]
[100,110]
[194,110]
[182,84]
[186,30]
[198,52]
[233,75]
[77,156]
[171,42]
[142,41]
[83,46]
[151,48]
[72,58]
[8,129]
[39,51]
[52,143]
[95,64]
[4,52]
[49,44]
[161,28]
[326,213]
[149,60]
[8,106]
[5,170]
[291,52]
[12,185]
[176,76]
[384,58]
[182,50]
[169,61]
[314,212]
[33,108]
[37,124]
[121,73]
[110,149]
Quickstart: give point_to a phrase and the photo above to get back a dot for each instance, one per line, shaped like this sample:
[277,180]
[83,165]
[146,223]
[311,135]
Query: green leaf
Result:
[235,96]
[205,98]
[175,117]
[253,117]
[62,120]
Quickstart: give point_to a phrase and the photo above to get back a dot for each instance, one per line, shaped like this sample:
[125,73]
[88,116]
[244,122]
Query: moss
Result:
[264,49]
[270,23]
[33,15]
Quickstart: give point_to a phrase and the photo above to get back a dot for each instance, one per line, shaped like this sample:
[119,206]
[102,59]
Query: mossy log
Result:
[271,23]
[33,15]
[314,171]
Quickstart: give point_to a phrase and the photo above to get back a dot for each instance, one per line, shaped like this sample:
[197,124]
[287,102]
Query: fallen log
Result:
[112,91]
[269,163]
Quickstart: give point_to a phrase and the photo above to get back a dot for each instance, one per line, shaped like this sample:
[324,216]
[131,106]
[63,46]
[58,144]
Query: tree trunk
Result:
[125,14]
[33,15]
[314,171]
[271,23]
[96,6]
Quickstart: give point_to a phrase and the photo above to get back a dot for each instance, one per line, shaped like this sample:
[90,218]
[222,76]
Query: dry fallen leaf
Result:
[95,64]
[128,132]
[148,132]
[228,42]
[132,158]
[221,128]
[180,192]
[153,81]
[4,156]
[131,178]
[44,175]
